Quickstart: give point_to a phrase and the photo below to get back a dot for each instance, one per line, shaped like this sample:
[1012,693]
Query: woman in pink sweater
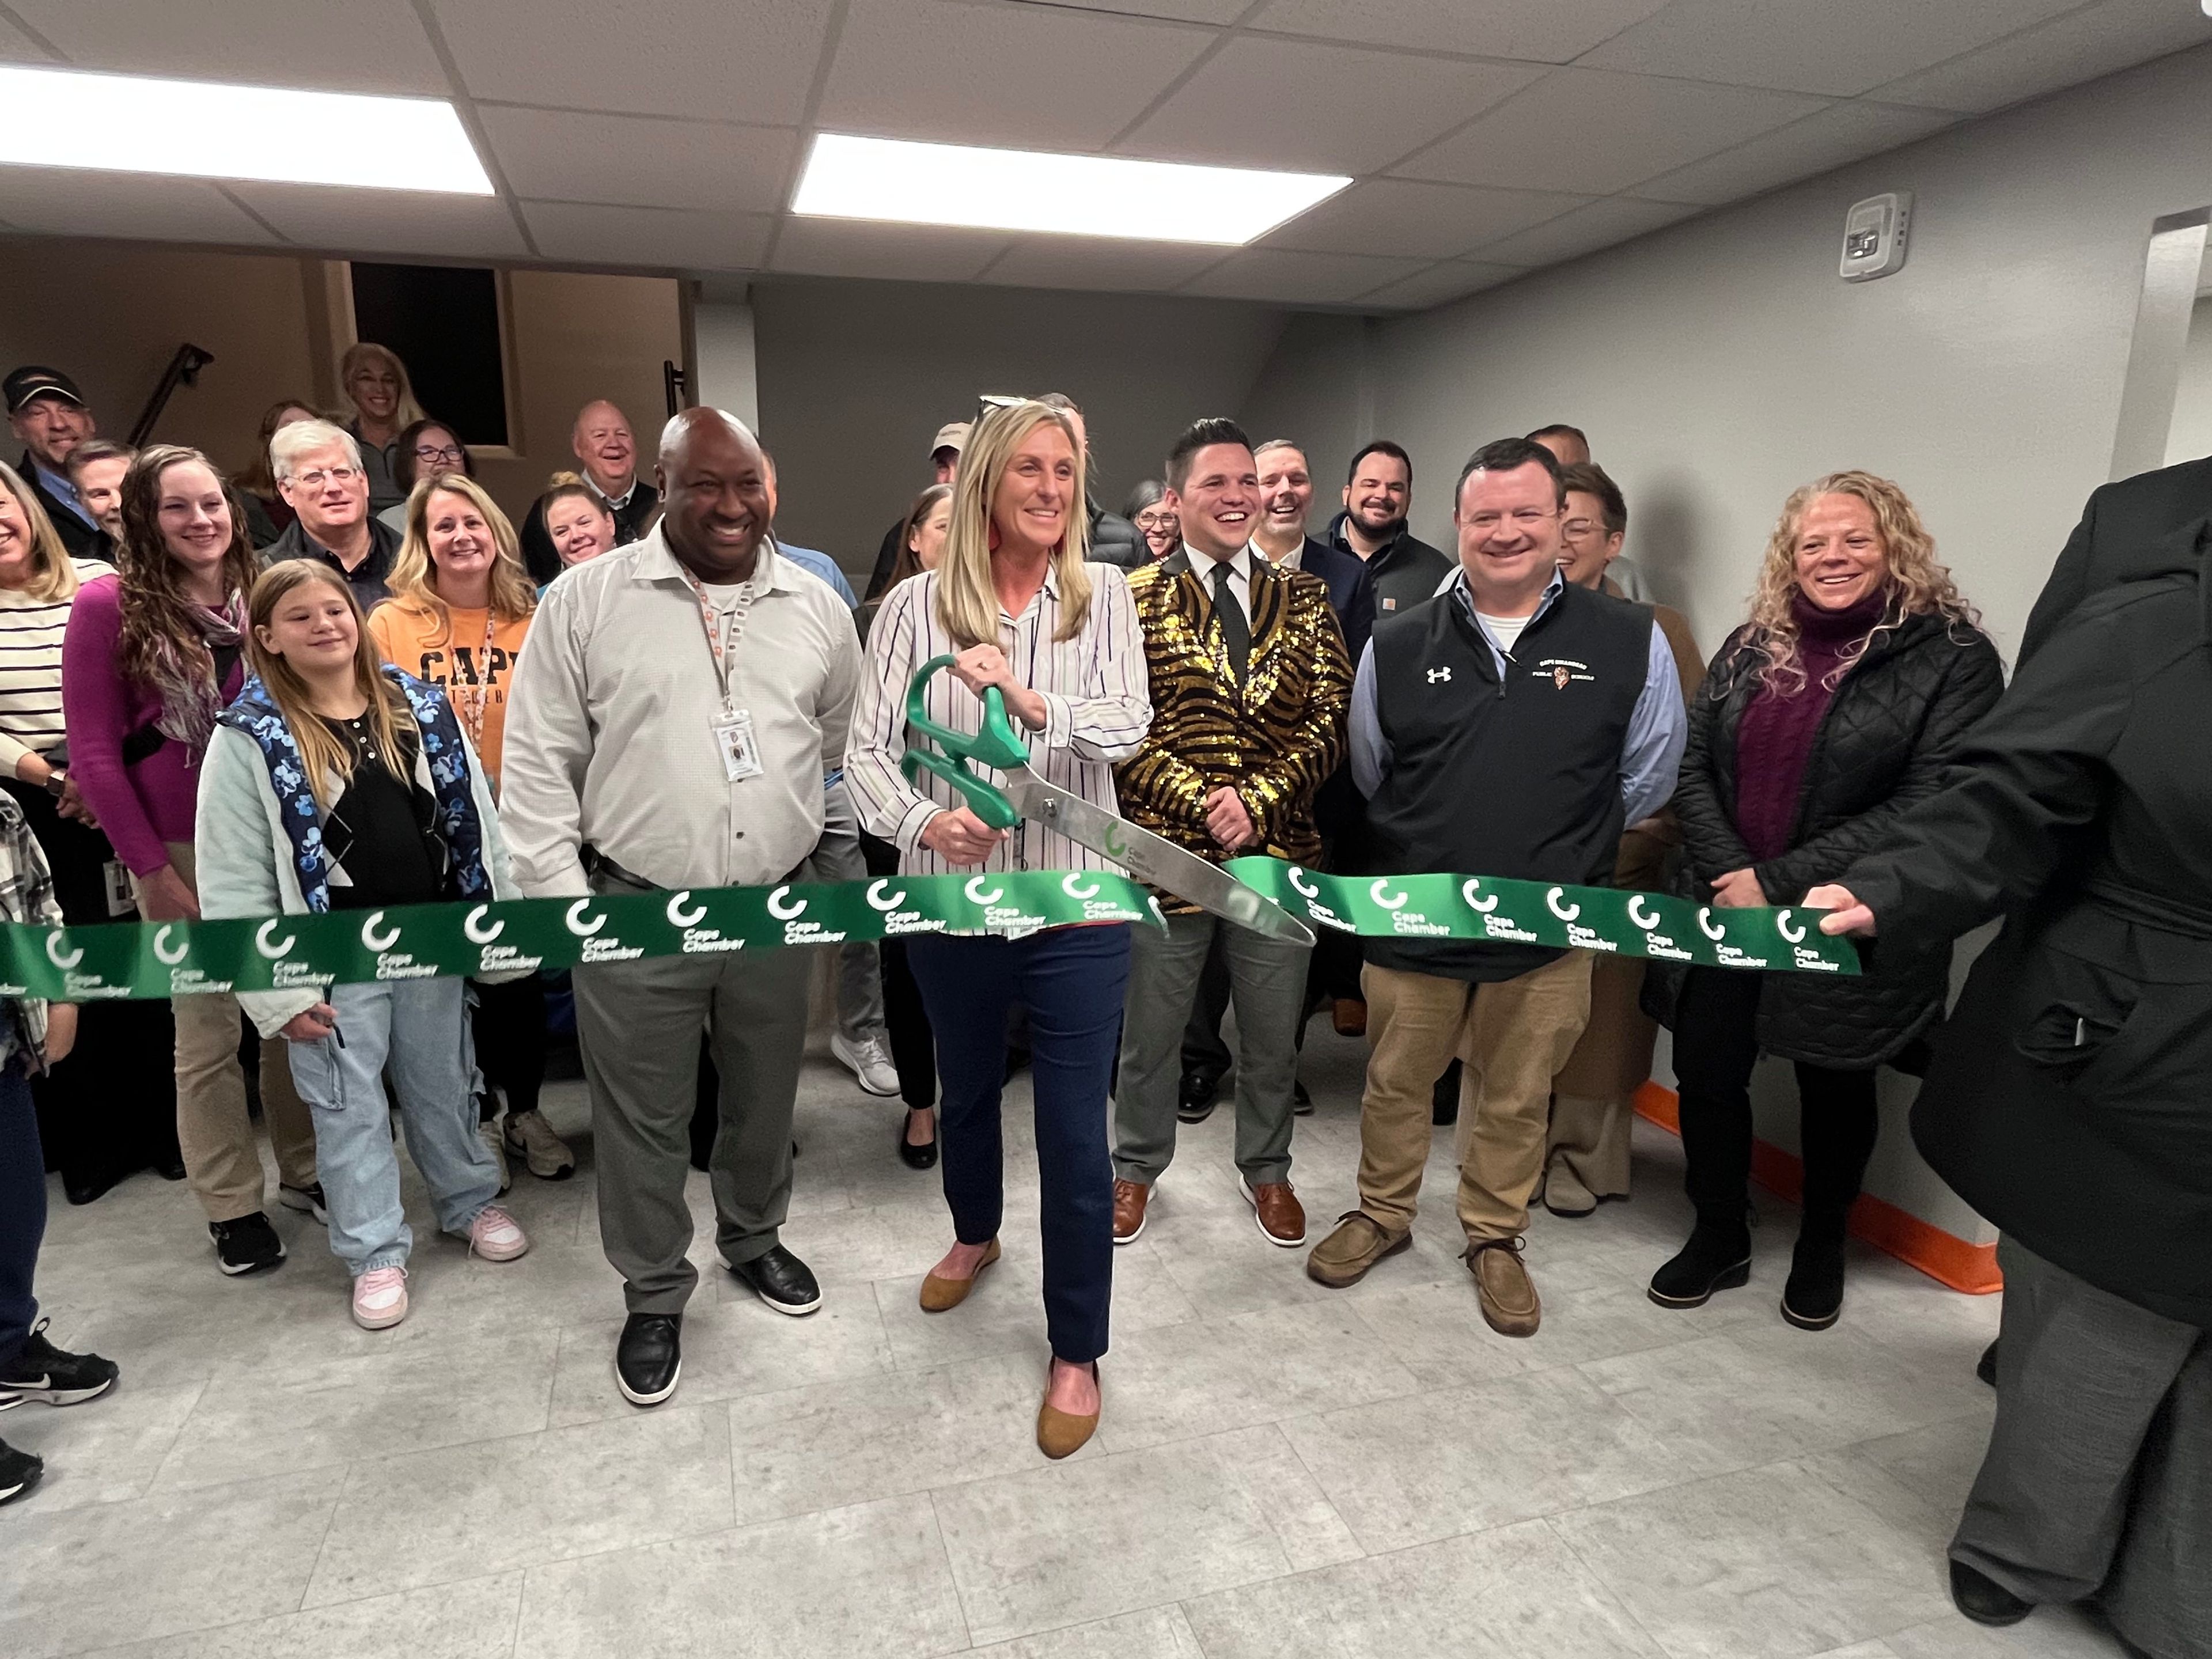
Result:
[150,657]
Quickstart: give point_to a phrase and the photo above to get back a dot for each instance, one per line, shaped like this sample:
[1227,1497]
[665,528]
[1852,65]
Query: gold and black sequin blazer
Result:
[1273,740]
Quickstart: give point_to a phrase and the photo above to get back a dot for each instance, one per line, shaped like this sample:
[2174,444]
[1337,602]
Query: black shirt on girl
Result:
[380,832]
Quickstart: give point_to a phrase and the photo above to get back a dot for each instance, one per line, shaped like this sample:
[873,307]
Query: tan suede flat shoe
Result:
[939,1295]
[1060,1433]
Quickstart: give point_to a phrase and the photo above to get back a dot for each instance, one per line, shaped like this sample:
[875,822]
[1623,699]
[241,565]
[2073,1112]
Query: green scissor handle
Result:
[994,745]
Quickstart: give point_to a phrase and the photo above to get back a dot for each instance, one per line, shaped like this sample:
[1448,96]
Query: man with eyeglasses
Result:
[319,473]
[1511,725]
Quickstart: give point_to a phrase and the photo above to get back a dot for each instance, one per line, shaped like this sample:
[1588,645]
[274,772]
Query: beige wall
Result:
[110,314]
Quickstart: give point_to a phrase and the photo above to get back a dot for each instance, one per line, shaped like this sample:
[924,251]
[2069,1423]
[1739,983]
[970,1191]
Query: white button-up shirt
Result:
[1097,692]
[611,726]
[1203,565]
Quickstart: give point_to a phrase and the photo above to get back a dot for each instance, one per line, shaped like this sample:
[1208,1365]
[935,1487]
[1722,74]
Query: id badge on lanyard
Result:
[732,728]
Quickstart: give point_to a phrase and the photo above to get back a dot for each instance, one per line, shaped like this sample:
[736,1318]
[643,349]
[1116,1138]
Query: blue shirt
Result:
[821,565]
[1651,754]
[59,486]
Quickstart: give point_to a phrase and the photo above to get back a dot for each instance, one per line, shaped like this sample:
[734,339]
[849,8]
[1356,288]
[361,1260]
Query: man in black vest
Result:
[1509,727]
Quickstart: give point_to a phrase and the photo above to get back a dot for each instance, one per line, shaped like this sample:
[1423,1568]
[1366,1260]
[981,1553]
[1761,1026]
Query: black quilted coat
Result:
[1885,742]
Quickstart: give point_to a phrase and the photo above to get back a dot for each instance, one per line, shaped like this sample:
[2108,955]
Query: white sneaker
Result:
[488,1132]
[380,1299]
[867,1061]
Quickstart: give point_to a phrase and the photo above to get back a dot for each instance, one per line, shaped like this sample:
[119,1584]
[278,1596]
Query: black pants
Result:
[906,1022]
[1715,1046]
[509,1022]
[23,1210]
[111,1107]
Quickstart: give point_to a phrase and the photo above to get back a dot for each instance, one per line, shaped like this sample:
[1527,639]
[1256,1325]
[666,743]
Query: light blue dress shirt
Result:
[1651,754]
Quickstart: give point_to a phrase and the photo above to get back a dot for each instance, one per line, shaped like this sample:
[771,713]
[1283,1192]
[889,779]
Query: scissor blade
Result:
[1152,859]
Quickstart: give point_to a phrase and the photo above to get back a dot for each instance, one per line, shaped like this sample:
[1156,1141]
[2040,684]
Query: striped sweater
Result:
[1273,740]
[31,632]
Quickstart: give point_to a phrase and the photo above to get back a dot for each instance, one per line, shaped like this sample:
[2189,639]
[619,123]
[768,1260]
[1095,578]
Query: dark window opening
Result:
[443,320]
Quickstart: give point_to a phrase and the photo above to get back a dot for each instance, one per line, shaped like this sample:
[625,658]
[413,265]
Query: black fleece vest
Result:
[1518,777]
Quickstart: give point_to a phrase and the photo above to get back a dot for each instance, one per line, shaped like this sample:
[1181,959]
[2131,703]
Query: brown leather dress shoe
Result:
[1130,1198]
[939,1294]
[1358,1243]
[1282,1218]
[1060,1433]
[1502,1285]
[1349,1016]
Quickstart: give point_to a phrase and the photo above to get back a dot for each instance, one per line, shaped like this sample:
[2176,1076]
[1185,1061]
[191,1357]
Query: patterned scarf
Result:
[185,679]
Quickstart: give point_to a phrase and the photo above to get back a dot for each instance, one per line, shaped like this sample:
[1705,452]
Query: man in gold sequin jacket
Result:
[1250,684]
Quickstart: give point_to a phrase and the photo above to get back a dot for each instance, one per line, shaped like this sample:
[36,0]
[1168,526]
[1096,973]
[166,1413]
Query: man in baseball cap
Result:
[944,456]
[49,414]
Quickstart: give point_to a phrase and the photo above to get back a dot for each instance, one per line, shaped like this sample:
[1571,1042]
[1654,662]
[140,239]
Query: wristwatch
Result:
[56,781]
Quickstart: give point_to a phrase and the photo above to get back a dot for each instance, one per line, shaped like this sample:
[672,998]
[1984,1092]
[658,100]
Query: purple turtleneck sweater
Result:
[1775,739]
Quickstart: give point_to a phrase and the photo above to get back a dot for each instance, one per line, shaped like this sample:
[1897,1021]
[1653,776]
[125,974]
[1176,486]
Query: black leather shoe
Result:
[923,1156]
[1301,1102]
[780,1279]
[1194,1098]
[1984,1600]
[649,1357]
[87,1189]
[1715,1259]
[173,1170]
[1813,1299]
[1986,1366]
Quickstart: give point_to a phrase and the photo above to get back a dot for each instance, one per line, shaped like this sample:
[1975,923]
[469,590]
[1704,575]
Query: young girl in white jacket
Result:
[334,783]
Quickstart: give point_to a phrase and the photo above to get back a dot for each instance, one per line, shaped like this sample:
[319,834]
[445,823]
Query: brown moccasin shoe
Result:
[939,1294]
[1060,1434]
[1282,1218]
[1130,1198]
[1356,1244]
[1502,1285]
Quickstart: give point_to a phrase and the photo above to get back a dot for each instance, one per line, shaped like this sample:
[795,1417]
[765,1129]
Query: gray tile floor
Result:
[1283,1471]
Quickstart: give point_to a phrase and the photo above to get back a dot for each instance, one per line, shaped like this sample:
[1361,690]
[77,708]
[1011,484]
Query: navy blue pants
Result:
[23,1209]
[1071,980]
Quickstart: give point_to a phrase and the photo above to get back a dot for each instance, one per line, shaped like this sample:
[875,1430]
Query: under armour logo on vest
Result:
[1437,674]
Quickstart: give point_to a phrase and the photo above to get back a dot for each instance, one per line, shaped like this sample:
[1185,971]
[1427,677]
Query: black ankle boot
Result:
[1717,1258]
[1984,1600]
[1813,1299]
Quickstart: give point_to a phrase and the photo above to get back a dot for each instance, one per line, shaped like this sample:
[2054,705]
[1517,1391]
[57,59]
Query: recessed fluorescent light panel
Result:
[890,180]
[202,130]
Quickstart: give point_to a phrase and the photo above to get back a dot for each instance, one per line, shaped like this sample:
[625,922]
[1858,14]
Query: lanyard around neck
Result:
[710,621]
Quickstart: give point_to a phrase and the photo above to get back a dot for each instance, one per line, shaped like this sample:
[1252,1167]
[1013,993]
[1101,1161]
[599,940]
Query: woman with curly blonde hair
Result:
[1839,704]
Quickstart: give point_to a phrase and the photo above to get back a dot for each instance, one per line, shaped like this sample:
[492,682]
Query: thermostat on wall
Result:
[1874,236]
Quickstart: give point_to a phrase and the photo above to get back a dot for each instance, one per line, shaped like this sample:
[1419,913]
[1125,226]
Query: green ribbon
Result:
[424,941]
[1611,919]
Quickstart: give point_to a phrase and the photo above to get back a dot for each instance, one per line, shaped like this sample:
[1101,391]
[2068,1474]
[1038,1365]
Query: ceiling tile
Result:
[1813,45]
[724,60]
[1540,31]
[1584,230]
[1451,280]
[570,155]
[1594,133]
[377,223]
[1100,263]
[1827,138]
[965,73]
[331,45]
[1401,216]
[1182,11]
[1267,273]
[914,253]
[70,201]
[2063,52]
[1264,102]
[661,238]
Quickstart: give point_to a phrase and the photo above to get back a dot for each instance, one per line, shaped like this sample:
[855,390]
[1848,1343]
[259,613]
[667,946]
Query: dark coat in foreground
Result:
[1888,739]
[2070,1099]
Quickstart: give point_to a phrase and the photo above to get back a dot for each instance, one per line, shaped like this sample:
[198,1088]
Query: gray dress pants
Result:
[640,1023]
[2099,1477]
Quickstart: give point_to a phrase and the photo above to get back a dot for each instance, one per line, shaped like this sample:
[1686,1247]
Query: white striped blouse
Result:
[31,632]
[1097,692]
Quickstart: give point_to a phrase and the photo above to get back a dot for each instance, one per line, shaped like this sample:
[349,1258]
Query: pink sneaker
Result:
[380,1299]
[496,1236]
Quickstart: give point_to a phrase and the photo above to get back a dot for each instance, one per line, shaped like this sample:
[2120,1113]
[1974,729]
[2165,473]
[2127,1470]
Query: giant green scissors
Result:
[1148,857]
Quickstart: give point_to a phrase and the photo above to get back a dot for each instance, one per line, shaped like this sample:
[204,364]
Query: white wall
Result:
[2192,403]
[856,377]
[1720,363]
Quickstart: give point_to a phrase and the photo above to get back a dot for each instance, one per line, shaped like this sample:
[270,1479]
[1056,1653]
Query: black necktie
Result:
[1236,632]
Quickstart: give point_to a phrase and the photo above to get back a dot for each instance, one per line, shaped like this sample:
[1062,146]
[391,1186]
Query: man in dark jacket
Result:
[1114,539]
[50,416]
[945,457]
[2068,1096]
[2118,522]
[1511,725]
[318,470]
[1378,494]
[606,450]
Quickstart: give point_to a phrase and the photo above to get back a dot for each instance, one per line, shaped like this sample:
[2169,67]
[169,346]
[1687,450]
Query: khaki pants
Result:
[221,1156]
[1512,1036]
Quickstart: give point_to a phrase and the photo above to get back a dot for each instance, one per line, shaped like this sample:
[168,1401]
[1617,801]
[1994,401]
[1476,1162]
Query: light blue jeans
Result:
[421,1028]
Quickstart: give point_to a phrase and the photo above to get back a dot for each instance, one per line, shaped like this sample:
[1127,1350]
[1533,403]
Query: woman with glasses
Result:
[424,449]
[375,383]
[1156,521]
[149,660]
